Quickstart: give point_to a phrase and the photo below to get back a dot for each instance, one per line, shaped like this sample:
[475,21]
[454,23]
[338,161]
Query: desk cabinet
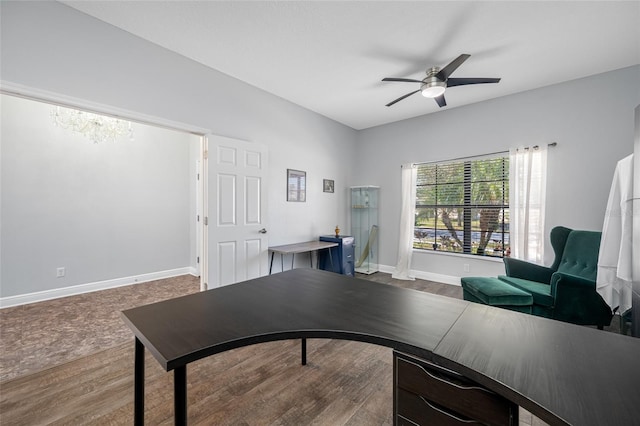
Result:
[427,394]
[341,255]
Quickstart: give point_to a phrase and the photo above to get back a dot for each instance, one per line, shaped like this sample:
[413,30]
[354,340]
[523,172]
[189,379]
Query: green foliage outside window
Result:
[463,206]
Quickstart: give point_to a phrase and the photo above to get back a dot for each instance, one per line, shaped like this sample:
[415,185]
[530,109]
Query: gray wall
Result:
[101,211]
[51,47]
[591,119]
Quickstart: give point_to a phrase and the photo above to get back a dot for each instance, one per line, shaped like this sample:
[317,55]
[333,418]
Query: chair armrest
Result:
[561,281]
[526,270]
[577,301]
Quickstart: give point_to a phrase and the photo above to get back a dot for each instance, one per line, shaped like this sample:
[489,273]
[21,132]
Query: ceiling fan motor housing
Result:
[432,86]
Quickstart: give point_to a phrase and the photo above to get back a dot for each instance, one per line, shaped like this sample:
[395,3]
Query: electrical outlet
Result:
[465,267]
[60,272]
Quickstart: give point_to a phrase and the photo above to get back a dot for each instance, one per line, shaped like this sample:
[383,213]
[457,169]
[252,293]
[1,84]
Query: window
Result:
[462,206]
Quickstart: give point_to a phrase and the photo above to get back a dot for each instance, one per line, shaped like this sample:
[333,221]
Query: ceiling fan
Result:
[437,80]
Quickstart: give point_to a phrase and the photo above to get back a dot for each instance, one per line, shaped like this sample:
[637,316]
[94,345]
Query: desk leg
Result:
[180,395]
[138,385]
[331,259]
[271,264]
[281,263]
[304,351]
[293,256]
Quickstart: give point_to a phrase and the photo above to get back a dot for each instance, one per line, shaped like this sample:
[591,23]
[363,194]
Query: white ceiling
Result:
[329,56]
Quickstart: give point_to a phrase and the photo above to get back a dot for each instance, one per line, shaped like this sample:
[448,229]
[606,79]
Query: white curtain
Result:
[614,278]
[527,192]
[407,220]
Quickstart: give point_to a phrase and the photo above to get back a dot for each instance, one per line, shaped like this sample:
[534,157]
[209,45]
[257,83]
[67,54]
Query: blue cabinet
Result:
[342,255]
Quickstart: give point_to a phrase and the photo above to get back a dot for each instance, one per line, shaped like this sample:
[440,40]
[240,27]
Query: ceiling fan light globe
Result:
[434,89]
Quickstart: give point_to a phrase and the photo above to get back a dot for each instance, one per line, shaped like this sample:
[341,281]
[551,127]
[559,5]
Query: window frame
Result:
[470,208]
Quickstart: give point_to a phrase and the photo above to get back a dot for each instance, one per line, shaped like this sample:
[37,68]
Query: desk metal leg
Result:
[281,263]
[304,351]
[138,385]
[271,264]
[180,395]
[293,256]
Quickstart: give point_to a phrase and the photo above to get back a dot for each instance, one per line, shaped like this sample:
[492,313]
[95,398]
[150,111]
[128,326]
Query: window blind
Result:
[462,206]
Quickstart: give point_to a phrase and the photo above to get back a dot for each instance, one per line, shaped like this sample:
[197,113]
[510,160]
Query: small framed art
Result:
[327,185]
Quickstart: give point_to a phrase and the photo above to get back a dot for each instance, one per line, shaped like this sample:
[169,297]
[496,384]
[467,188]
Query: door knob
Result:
[263,231]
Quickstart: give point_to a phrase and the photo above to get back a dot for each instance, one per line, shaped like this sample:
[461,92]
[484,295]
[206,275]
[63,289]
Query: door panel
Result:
[253,251]
[226,200]
[237,174]
[226,155]
[226,270]
[252,201]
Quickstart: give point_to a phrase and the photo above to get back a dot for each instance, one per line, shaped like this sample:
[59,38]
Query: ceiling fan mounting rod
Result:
[432,71]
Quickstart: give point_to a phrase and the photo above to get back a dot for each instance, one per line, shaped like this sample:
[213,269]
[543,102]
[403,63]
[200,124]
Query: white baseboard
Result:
[40,296]
[429,276]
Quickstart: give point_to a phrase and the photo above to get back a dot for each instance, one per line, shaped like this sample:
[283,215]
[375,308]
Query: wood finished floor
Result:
[40,335]
[344,382]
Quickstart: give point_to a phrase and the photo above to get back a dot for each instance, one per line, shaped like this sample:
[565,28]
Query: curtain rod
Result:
[480,155]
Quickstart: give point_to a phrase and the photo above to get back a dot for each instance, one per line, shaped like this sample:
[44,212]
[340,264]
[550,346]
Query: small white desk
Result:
[292,249]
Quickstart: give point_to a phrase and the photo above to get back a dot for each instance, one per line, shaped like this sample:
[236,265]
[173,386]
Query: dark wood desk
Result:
[563,373]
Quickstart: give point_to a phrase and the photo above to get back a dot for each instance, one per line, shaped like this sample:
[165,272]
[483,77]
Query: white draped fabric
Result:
[614,279]
[527,192]
[407,221]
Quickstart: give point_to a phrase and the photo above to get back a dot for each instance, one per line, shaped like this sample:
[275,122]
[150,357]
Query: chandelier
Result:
[95,127]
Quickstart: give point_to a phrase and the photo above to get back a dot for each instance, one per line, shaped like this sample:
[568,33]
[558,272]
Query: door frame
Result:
[204,207]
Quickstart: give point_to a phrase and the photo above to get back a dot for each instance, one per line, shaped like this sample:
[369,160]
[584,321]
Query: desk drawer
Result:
[450,391]
[420,411]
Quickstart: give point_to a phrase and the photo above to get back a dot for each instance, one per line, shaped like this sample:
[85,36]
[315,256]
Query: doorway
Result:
[81,214]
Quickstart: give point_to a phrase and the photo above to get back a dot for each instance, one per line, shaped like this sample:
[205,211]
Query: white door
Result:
[235,229]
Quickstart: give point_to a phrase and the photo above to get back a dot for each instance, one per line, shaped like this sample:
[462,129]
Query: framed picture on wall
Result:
[327,185]
[296,185]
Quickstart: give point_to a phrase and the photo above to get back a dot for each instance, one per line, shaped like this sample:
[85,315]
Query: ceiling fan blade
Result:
[453,65]
[464,81]
[406,80]
[401,98]
[441,101]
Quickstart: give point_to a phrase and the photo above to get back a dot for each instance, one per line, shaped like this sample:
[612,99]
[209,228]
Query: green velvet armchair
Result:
[566,290]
